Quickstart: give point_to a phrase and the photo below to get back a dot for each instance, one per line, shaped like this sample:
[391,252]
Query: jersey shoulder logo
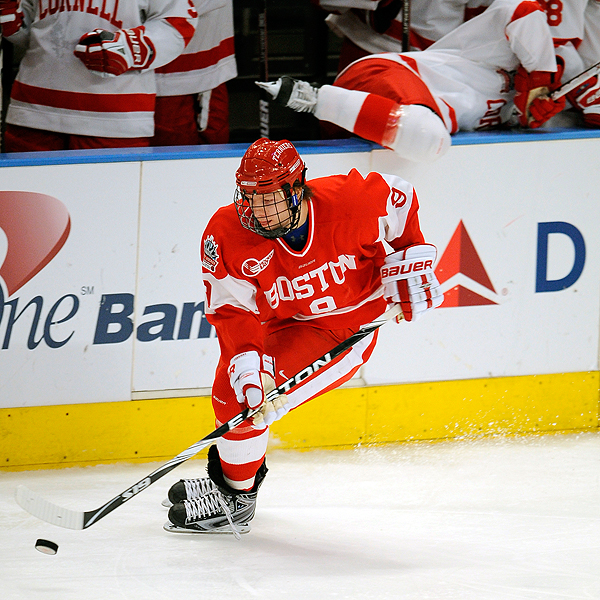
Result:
[252,266]
[397,198]
[210,255]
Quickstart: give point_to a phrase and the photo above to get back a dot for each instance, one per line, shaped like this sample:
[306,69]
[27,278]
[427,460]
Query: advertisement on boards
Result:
[102,300]
[517,232]
[68,237]
[101,297]
[180,351]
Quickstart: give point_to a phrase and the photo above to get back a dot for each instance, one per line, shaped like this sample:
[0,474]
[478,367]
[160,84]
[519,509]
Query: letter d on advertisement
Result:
[542,283]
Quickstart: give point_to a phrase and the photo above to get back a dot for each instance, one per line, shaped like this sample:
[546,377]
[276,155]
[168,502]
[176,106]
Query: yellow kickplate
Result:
[146,430]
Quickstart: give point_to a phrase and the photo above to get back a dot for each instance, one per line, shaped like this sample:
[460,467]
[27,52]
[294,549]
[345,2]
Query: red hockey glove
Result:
[532,98]
[408,279]
[110,54]
[11,17]
[251,379]
[543,108]
[586,99]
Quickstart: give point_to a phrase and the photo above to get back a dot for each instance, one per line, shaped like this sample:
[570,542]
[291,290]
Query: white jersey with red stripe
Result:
[468,70]
[255,286]
[53,89]
[209,59]
[430,20]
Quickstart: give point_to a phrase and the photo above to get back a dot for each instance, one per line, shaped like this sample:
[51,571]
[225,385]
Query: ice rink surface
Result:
[502,519]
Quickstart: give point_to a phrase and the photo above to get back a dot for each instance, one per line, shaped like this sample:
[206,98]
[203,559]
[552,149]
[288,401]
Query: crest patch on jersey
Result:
[252,266]
[210,255]
[398,198]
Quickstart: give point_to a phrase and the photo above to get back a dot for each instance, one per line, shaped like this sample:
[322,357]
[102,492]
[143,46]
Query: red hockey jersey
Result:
[256,285]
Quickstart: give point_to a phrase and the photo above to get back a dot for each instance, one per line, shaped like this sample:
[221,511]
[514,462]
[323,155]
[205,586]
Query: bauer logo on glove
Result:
[586,99]
[407,267]
[110,54]
[408,279]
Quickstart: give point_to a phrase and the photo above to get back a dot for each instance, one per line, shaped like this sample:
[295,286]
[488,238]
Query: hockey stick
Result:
[74,519]
[263,101]
[574,83]
[406,26]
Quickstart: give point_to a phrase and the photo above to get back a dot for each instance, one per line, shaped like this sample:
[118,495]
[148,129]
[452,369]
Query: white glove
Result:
[273,410]
[251,379]
[408,279]
[110,54]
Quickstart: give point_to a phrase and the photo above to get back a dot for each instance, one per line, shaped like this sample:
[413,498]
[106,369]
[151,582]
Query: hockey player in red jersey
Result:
[291,269]
[412,102]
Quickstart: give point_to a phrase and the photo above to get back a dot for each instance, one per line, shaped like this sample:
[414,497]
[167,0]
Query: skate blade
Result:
[168,526]
[166,503]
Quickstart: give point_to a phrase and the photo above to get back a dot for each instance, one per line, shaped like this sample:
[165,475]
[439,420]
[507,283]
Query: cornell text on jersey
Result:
[106,9]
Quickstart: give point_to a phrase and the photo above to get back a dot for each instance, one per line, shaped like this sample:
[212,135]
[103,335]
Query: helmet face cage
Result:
[284,215]
[267,179]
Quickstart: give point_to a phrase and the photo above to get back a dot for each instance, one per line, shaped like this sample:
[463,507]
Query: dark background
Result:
[299,44]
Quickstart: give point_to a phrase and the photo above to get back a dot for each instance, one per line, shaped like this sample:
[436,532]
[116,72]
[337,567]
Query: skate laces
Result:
[210,505]
[198,487]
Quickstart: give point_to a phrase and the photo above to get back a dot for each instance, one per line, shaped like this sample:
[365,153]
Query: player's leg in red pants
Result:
[90,142]
[27,139]
[215,130]
[242,450]
[192,119]
[175,121]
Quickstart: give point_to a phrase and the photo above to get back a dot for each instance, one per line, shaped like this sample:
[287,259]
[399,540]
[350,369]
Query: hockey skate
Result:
[292,93]
[220,509]
[187,489]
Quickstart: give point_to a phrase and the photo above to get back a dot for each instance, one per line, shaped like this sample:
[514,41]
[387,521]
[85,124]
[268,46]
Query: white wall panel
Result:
[99,257]
[135,229]
[501,193]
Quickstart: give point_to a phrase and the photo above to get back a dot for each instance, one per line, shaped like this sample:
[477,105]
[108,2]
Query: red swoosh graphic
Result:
[36,227]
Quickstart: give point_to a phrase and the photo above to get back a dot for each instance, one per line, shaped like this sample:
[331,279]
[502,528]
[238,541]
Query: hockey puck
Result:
[46,547]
